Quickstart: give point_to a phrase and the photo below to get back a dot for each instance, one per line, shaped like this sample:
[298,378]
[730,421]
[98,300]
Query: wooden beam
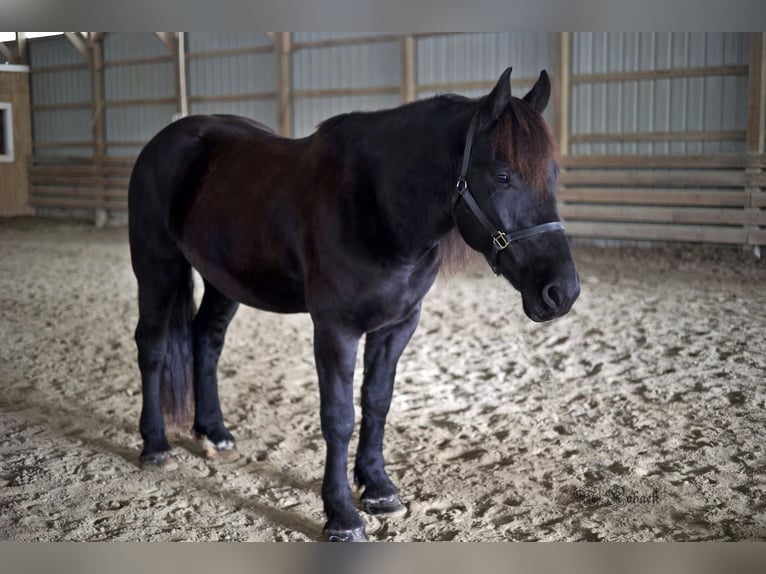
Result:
[180,65]
[22,48]
[97,37]
[352,41]
[726,135]
[79,44]
[408,65]
[97,94]
[242,96]
[168,39]
[5,51]
[284,84]
[339,92]
[656,161]
[272,36]
[639,75]
[223,52]
[561,90]
[484,85]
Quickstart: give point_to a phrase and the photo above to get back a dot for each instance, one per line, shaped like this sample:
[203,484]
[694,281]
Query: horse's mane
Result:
[525,141]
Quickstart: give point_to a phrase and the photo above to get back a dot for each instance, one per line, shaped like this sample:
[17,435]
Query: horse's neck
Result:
[416,155]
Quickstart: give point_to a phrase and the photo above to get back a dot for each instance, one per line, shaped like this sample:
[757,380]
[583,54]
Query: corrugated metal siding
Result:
[336,67]
[59,87]
[52,51]
[139,122]
[139,81]
[714,103]
[478,57]
[299,37]
[63,87]
[134,124]
[358,66]
[50,126]
[233,74]
[483,57]
[310,112]
[209,41]
[265,111]
[125,46]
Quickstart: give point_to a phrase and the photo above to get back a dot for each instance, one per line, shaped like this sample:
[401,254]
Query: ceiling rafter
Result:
[80,44]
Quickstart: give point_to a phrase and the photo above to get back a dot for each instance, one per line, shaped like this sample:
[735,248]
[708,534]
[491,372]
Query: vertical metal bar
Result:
[408,64]
[97,90]
[561,89]
[180,60]
[284,83]
[756,115]
[21,48]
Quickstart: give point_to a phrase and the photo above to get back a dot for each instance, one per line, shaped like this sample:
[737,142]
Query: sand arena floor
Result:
[639,416]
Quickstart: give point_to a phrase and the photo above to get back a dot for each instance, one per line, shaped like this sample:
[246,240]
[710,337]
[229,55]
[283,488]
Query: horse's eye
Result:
[503,178]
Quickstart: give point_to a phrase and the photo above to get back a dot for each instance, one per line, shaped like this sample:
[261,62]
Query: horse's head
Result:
[505,202]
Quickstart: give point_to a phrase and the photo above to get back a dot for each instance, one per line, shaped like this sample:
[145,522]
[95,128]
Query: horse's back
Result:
[206,186]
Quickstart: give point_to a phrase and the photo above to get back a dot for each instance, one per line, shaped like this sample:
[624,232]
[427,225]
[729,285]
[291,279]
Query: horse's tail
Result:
[177,380]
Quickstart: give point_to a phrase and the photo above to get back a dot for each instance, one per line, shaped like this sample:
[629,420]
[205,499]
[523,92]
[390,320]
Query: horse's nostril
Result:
[552,296]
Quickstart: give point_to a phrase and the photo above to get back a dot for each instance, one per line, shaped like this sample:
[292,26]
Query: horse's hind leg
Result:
[210,324]
[381,354]
[164,308]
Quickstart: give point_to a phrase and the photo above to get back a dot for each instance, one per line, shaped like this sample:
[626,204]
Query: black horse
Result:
[350,225]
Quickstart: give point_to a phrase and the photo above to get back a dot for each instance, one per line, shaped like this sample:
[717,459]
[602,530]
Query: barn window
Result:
[6,132]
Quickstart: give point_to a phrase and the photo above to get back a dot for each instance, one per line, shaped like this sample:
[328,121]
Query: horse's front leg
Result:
[381,354]
[335,354]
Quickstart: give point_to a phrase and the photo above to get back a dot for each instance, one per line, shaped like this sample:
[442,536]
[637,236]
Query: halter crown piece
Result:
[500,238]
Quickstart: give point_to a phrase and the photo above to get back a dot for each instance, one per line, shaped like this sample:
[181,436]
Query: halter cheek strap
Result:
[500,239]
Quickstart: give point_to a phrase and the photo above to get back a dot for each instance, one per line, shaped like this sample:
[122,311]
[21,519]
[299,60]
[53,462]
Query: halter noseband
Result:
[500,239]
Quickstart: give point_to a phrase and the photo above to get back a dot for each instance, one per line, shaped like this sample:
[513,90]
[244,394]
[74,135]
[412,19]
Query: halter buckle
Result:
[500,241]
[461,184]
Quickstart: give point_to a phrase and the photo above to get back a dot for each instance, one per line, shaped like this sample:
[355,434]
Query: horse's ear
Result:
[540,93]
[500,96]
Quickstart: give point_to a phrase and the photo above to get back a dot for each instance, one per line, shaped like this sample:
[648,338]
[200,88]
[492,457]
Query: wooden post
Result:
[756,92]
[21,48]
[561,89]
[97,79]
[180,60]
[96,64]
[756,116]
[284,83]
[409,76]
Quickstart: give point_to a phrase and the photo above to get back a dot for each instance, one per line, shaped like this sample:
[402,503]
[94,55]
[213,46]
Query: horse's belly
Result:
[258,284]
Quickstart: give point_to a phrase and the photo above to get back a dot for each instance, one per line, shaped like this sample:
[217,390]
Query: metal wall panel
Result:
[52,51]
[482,57]
[126,46]
[63,87]
[59,87]
[209,41]
[299,37]
[357,66]
[138,122]
[139,81]
[264,111]
[310,112]
[235,74]
[370,65]
[690,104]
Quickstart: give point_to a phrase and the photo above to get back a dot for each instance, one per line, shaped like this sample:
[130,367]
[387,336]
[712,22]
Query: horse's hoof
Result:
[224,451]
[158,461]
[390,506]
[353,535]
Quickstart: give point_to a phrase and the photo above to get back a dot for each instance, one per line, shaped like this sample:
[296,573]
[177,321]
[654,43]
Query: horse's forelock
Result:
[524,140]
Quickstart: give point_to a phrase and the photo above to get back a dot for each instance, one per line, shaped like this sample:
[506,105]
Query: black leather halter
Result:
[500,239]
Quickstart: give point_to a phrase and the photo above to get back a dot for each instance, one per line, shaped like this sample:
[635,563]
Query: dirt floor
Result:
[639,416]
